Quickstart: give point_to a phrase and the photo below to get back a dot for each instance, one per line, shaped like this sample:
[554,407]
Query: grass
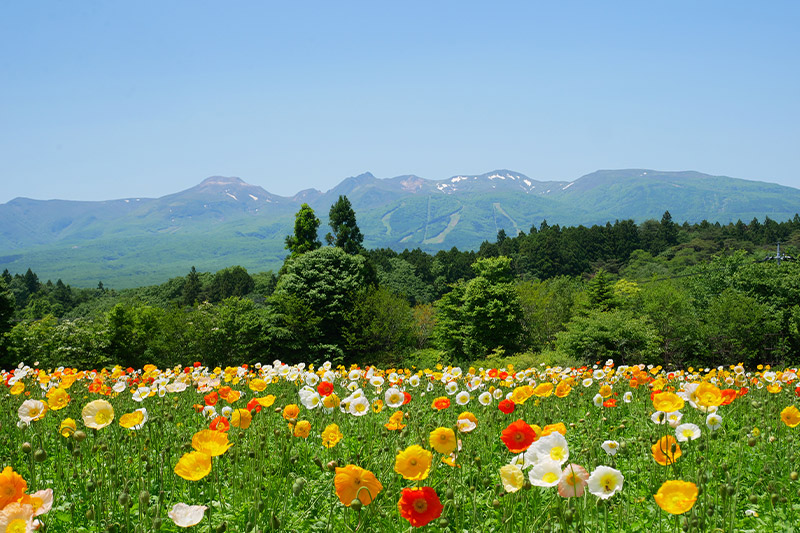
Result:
[118,479]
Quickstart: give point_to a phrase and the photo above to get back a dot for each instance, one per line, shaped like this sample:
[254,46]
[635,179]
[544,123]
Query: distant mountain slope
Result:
[224,221]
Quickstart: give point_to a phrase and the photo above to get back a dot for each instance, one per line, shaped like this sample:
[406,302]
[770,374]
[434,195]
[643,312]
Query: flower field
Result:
[303,448]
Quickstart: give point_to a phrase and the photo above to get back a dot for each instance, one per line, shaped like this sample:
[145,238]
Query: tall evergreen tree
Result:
[191,287]
[346,234]
[7,302]
[304,238]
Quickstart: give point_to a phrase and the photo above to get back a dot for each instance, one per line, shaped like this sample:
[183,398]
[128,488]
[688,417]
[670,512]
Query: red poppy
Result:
[254,405]
[611,402]
[518,436]
[653,393]
[492,373]
[743,391]
[406,397]
[728,395]
[197,364]
[503,375]
[442,402]
[220,423]
[211,398]
[325,388]
[187,370]
[507,406]
[420,506]
[797,392]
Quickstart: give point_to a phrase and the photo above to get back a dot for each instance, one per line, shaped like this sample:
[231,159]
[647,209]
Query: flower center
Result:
[549,477]
[16,526]
[420,505]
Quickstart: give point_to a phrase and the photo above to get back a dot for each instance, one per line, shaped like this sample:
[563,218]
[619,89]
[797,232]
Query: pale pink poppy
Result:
[187,515]
[573,481]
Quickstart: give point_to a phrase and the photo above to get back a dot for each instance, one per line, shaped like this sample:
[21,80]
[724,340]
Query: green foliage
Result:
[327,281]
[547,306]
[600,292]
[232,281]
[401,277]
[192,288]
[482,314]
[52,343]
[618,334]
[379,326]
[7,303]
[739,328]
[342,220]
[304,238]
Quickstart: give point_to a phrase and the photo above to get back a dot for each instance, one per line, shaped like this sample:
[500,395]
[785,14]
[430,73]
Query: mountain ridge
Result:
[225,220]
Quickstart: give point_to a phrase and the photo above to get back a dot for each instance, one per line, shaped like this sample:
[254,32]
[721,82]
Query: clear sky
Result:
[102,100]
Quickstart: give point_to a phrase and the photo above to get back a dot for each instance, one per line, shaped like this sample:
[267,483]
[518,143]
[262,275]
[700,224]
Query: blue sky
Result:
[102,100]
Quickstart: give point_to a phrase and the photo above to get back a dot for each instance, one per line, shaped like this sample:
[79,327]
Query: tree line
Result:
[657,292]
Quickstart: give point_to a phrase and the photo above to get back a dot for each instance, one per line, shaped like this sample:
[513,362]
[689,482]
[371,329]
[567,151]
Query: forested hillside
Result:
[657,292]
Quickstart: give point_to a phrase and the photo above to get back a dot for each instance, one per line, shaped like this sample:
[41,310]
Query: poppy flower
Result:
[443,440]
[241,418]
[791,416]
[211,442]
[413,463]
[41,501]
[291,412]
[57,398]
[666,451]
[331,436]
[442,402]
[220,423]
[667,402]
[193,466]
[16,516]
[211,398]
[558,427]
[506,406]
[12,486]
[353,482]
[420,506]
[676,497]
[518,436]
[184,515]
[257,385]
[254,406]
[573,481]
[395,422]
[97,414]
[325,388]
[406,397]
[302,429]
[563,389]
[728,395]
[67,427]
[611,402]
[32,410]
[512,478]
[605,482]
[543,390]
[708,395]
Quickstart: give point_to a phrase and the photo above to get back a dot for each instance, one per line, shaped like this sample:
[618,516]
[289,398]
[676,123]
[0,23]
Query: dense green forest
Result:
[656,292]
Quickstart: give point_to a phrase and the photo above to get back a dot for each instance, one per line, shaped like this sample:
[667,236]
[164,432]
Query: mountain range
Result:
[225,221]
